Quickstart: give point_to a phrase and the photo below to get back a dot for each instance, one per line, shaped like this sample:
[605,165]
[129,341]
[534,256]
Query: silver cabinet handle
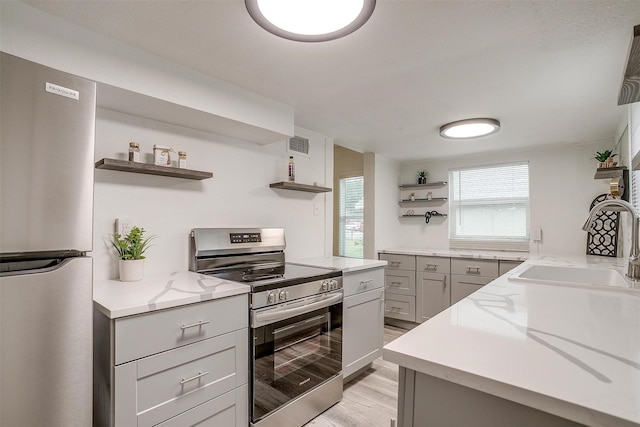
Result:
[469,269]
[195,377]
[365,283]
[396,283]
[193,325]
[395,263]
[433,267]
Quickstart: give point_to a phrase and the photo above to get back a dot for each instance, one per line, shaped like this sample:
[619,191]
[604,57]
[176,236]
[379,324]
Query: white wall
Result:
[561,189]
[238,195]
[388,231]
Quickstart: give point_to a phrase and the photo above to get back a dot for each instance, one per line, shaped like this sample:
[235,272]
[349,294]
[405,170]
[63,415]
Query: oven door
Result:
[293,354]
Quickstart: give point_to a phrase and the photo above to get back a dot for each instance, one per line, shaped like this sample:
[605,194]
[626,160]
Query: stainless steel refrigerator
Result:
[47,130]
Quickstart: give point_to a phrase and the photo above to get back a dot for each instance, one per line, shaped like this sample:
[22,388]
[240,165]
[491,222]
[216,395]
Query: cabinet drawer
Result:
[475,267]
[400,307]
[162,386]
[463,286]
[400,282]
[147,334]
[506,266]
[362,281]
[399,262]
[229,410]
[431,264]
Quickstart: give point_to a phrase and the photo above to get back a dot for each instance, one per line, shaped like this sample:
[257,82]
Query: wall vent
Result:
[299,145]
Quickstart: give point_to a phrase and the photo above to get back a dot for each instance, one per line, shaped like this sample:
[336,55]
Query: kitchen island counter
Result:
[570,352]
[158,291]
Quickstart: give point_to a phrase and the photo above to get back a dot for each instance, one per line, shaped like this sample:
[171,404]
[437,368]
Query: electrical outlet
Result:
[536,235]
[316,209]
[123,226]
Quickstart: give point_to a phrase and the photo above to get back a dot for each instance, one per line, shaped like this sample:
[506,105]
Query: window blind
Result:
[634,129]
[489,207]
[351,218]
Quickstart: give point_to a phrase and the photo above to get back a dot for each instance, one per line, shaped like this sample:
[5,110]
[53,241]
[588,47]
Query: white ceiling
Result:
[550,71]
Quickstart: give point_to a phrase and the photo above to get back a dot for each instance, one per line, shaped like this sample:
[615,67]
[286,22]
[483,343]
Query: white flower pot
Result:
[131,270]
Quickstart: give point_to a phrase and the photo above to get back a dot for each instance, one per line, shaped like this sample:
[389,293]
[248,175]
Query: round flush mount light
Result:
[310,20]
[470,128]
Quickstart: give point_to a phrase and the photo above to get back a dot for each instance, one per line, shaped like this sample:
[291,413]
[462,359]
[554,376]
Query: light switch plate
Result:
[124,226]
[536,235]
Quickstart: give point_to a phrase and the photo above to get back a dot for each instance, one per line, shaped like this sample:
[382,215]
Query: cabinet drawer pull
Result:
[396,308]
[473,269]
[195,377]
[395,263]
[365,283]
[193,325]
[396,283]
[433,267]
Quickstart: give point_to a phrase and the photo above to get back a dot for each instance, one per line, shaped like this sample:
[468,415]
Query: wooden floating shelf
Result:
[422,201]
[299,187]
[421,216]
[606,173]
[427,185]
[144,168]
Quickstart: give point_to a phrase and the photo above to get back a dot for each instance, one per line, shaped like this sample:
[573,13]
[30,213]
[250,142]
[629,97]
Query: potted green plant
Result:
[422,177]
[130,250]
[606,159]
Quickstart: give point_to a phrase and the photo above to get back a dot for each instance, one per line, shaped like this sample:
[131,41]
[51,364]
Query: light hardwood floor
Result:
[370,399]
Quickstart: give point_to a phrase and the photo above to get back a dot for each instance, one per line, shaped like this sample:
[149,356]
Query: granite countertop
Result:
[157,291]
[459,253]
[573,352]
[347,265]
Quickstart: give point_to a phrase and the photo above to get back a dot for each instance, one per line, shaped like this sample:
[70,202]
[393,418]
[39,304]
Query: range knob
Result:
[271,297]
[282,295]
[334,284]
[324,285]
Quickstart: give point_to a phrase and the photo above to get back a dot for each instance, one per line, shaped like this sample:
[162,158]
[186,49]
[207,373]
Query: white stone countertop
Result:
[347,265]
[157,291]
[459,253]
[573,352]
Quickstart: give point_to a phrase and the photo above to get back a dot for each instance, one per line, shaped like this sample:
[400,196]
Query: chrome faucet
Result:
[633,271]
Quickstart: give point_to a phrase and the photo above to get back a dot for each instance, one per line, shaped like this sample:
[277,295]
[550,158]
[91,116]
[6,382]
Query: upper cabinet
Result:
[630,89]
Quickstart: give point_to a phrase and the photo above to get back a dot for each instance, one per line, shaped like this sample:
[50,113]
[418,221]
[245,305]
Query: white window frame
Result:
[512,243]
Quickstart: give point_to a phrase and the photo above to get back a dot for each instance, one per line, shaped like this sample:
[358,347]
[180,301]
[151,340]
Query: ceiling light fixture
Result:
[470,128]
[310,20]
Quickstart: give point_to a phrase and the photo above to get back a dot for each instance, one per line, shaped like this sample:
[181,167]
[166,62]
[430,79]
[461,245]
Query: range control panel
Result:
[245,237]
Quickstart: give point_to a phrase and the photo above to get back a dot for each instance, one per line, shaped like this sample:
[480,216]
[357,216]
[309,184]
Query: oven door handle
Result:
[274,315]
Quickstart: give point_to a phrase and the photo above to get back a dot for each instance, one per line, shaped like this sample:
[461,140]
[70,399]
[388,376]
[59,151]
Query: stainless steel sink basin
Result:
[576,276]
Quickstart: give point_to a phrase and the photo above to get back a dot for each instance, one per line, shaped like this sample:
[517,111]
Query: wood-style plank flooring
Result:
[370,399]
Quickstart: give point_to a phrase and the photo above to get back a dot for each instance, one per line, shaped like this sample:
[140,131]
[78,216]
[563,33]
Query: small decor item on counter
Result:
[606,159]
[161,155]
[429,195]
[413,197]
[422,177]
[182,159]
[134,152]
[130,250]
[292,170]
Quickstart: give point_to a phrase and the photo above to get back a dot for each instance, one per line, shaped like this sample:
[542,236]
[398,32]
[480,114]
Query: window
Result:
[351,217]
[489,207]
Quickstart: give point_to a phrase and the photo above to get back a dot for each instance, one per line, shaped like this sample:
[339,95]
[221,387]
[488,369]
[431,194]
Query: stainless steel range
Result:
[295,317]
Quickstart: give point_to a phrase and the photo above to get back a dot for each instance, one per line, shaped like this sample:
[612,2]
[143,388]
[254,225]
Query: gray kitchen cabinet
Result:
[433,286]
[400,287]
[507,266]
[175,367]
[470,274]
[363,319]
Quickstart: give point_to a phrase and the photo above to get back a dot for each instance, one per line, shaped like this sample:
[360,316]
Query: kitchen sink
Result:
[576,276]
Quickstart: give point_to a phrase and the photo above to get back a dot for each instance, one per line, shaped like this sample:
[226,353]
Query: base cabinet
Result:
[433,295]
[189,368]
[363,319]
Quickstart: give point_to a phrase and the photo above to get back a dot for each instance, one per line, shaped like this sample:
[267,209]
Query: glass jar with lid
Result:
[134,152]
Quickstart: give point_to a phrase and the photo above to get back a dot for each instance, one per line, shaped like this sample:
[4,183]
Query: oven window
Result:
[293,356]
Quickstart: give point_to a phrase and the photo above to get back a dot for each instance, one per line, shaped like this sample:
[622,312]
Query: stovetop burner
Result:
[265,279]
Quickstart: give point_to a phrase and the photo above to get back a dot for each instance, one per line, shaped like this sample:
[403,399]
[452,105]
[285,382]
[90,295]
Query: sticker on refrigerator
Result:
[62,91]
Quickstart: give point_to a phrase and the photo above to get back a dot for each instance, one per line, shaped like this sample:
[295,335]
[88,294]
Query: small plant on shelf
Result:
[606,159]
[422,177]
